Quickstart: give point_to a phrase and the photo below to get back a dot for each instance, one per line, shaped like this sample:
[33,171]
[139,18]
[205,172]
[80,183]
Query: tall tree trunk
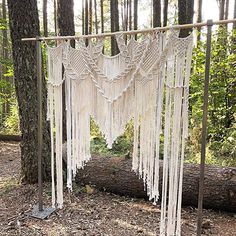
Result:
[4,32]
[185,15]
[116,10]
[114,25]
[45,18]
[234,25]
[25,75]
[65,16]
[102,17]
[86,19]
[226,10]
[126,4]
[165,13]
[182,8]
[55,17]
[199,11]
[1,55]
[83,17]
[199,17]
[189,11]
[90,16]
[221,4]
[96,16]
[156,13]
[6,105]
[130,14]
[135,16]
[65,13]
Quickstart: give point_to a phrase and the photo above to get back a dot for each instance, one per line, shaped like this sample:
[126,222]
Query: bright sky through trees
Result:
[210,10]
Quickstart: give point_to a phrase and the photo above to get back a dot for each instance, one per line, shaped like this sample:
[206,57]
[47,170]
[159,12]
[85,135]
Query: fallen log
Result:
[114,174]
[9,137]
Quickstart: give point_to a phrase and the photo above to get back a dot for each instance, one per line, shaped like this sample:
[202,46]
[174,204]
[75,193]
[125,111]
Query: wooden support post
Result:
[40,128]
[204,126]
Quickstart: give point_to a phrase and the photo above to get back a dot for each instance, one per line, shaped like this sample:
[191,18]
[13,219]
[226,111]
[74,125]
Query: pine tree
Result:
[165,13]
[156,13]
[114,25]
[185,15]
[45,18]
[25,75]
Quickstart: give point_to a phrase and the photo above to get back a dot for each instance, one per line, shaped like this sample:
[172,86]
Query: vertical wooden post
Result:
[40,128]
[204,126]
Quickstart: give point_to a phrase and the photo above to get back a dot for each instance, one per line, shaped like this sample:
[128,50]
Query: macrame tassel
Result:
[58,128]
[68,130]
[148,81]
[55,112]
[51,117]
[135,156]
[174,137]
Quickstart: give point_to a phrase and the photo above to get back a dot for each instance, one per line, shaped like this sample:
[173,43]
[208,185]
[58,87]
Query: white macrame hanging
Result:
[55,81]
[148,81]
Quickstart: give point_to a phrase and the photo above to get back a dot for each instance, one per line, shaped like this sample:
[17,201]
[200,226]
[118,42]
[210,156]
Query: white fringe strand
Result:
[148,81]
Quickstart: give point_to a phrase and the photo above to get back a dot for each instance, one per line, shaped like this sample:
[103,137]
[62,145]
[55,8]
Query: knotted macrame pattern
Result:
[148,81]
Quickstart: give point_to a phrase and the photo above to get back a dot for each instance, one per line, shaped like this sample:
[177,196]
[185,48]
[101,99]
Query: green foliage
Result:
[8,185]
[222,100]
[221,147]
[122,146]
[3,24]
[11,124]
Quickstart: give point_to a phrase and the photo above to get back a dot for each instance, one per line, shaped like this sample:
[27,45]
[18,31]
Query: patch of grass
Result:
[7,186]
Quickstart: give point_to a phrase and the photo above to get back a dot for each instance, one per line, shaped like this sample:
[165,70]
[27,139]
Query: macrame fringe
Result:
[147,82]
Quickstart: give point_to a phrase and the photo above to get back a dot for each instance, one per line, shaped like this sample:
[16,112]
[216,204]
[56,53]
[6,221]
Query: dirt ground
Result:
[96,214]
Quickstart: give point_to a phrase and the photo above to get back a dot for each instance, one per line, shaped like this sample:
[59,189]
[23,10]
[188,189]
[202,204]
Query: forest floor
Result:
[85,213]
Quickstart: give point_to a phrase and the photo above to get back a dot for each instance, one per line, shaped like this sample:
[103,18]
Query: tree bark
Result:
[113,174]
[185,15]
[199,17]
[66,26]
[226,16]
[55,16]
[1,55]
[102,17]
[45,18]
[124,14]
[130,14]
[86,23]
[135,16]
[165,13]
[234,24]
[5,105]
[24,23]
[90,17]
[83,17]
[221,4]
[4,32]
[226,10]
[96,16]
[6,137]
[65,13]
[114,25]
[189,11]
[156,13]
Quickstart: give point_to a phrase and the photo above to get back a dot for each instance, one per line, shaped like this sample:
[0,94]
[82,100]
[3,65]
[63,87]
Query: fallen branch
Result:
[114,175]
[6,137]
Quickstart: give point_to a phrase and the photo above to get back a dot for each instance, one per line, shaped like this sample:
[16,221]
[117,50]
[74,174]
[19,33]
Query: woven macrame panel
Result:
[148,81]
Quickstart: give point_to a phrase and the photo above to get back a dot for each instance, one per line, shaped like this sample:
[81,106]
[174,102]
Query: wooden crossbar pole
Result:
[186,26]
